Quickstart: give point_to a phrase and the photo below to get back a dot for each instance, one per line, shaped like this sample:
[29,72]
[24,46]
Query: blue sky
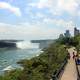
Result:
[37,19]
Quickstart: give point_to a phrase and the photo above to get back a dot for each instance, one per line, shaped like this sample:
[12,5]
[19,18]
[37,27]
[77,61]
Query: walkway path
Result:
[70,72]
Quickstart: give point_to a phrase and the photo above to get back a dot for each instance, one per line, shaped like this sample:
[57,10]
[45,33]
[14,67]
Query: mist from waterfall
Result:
[26,45]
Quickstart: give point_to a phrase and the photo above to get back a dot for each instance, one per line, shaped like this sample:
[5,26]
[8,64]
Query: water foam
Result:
[26,45]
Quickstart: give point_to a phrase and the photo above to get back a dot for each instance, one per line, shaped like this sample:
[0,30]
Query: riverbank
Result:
[40,67]
[9,57]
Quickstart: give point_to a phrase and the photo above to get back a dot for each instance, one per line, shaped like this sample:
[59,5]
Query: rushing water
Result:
[9,57]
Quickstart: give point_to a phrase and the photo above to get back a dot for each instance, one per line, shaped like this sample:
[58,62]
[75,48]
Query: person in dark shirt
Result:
[73,55]
[68,55]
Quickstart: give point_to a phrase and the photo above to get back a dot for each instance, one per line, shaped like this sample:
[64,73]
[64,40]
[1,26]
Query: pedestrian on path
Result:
[68,55]
[73,55]
[76,56]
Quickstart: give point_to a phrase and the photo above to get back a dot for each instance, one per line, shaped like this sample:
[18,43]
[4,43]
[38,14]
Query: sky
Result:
[38,19]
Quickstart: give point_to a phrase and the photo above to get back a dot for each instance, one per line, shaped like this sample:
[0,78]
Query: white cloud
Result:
[57,7]
[39,15]
[40,4]
[67,5]
[60,23]
[35,31]
[13,9]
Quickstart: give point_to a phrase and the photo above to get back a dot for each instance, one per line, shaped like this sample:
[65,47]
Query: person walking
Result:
[68,55]
[74,55]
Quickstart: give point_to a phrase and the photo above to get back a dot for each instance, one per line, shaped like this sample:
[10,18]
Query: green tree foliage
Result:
[12,75]
[41,67]
[69,41]
[77,40]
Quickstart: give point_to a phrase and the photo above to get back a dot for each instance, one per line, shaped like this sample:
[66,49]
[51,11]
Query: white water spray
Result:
[26,45]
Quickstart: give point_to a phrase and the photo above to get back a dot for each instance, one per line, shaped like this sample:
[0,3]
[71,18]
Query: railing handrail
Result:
[56,76]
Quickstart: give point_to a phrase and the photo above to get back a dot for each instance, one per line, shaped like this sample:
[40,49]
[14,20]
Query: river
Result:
[9,57]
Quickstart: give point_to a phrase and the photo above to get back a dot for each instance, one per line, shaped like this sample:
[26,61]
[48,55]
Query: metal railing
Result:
[56,75]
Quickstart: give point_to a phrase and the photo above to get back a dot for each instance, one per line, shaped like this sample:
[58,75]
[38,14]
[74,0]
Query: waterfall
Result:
[26,45]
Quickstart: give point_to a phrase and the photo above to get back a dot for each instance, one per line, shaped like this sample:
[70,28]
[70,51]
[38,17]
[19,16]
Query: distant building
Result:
[43,43]
[76,31]
[67,33]
[61,36]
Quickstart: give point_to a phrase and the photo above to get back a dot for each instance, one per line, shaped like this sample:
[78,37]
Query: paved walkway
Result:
[70,72]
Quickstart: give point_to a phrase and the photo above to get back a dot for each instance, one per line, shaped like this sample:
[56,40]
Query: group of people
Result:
[74,56]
